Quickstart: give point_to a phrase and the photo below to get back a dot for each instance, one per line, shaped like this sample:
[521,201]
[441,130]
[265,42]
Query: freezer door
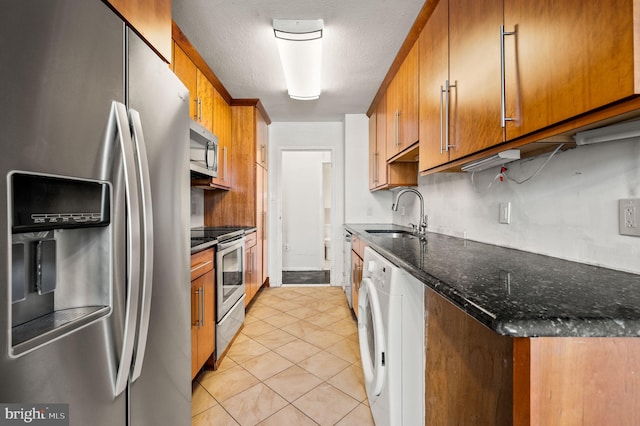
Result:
[162,392]
[62,67]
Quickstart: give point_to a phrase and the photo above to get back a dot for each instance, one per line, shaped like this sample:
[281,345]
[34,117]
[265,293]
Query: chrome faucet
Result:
[422,227]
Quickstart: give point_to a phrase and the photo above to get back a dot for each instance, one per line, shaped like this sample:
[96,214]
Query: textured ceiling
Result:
[361,40]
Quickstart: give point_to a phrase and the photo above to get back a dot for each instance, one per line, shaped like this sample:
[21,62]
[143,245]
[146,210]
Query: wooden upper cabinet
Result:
[373,155]
[186,71]
[383,175]
[262,141]
[151,19]
[474,69]
[567,58]
[205,101]
[402,106]
[377,145]
[222,129]
[201,90]
[460,79]
[434,71]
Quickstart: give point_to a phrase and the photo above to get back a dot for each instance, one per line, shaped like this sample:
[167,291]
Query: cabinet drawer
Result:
[250,240]
[201,263]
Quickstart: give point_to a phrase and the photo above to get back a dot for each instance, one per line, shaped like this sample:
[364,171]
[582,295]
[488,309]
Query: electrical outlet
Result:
[629,211]
[505,213]
[286,247]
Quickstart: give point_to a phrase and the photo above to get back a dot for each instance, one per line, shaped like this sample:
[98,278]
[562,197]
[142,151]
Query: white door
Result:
[372,338]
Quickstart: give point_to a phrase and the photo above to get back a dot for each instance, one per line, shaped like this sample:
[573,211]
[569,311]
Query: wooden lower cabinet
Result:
[357,256]
[468,368]
[356,278]
[203,316]
[577,381]
[475,376]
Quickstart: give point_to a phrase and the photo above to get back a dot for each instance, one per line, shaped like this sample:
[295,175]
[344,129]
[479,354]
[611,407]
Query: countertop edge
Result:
[511,327]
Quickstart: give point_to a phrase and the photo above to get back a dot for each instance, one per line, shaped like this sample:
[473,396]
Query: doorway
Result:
[306,217]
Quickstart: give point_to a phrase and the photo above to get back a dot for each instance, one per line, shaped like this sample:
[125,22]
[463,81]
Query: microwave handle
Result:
[206,155]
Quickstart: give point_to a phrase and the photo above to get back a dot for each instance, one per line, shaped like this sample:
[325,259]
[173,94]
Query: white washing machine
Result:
[391,333]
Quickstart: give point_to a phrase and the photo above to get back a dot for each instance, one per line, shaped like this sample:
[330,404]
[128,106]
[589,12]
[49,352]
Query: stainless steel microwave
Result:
[203,151]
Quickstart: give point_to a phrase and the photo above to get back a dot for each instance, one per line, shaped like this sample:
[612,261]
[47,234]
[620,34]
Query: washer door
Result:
[371,337]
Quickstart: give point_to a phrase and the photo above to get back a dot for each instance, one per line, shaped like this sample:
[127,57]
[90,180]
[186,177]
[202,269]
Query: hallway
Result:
[296,361]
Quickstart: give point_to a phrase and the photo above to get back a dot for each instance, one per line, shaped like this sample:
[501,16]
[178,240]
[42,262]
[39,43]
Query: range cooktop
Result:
[204,235]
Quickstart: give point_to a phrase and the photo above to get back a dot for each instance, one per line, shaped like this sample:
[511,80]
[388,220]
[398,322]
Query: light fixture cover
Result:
[615,132]
[495,160]
[300,47]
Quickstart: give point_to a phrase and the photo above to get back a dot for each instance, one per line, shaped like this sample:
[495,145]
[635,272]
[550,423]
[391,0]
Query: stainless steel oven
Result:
[230,287]
[229,274]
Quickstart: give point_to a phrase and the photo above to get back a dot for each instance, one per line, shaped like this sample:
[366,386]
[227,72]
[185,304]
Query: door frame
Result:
[337,213]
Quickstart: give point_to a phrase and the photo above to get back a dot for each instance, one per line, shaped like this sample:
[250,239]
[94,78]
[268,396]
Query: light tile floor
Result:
[295,362]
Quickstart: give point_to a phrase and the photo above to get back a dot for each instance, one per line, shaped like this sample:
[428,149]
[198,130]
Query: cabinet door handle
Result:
[202,307]
[224,152]
[503,96]
[397,127]
[375,168]
[264,225]
[441,117]
[446,127]
[198,308]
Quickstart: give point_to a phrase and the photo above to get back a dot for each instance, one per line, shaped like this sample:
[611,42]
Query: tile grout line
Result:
[267,304]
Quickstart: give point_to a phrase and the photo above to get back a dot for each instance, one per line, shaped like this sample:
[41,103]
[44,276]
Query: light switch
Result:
[505,213]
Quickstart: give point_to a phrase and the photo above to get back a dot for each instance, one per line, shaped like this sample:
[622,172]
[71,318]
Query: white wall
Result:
[570,210]
[303,210]
[361,205]
[299,136]
[197,207]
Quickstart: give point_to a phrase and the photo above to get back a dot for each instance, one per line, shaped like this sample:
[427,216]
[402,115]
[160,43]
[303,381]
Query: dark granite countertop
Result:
[205,237]
[513,292]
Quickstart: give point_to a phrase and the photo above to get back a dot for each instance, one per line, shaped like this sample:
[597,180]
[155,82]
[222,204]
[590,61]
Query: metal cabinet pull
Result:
[397,127]
[199,304]
[224,175]
[441,117]
[202,307]
[375,168]
[503,96]
[448,87]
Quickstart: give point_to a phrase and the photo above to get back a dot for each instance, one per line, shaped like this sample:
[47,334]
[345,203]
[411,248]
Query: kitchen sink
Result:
[391,233]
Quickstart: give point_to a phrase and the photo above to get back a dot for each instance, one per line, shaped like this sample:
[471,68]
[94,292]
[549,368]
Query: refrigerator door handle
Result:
[119,119]
[146,234]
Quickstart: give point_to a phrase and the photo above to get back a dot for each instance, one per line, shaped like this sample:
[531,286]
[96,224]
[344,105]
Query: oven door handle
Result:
[226,245]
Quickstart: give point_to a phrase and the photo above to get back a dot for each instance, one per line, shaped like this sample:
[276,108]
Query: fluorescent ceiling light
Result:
[499,159]
[615,132]
[300,47]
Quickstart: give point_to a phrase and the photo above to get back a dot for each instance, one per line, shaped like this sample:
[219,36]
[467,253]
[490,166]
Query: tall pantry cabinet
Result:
[246,203]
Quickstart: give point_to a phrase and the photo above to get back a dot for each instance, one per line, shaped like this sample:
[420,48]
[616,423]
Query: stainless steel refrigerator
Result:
[95,300]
